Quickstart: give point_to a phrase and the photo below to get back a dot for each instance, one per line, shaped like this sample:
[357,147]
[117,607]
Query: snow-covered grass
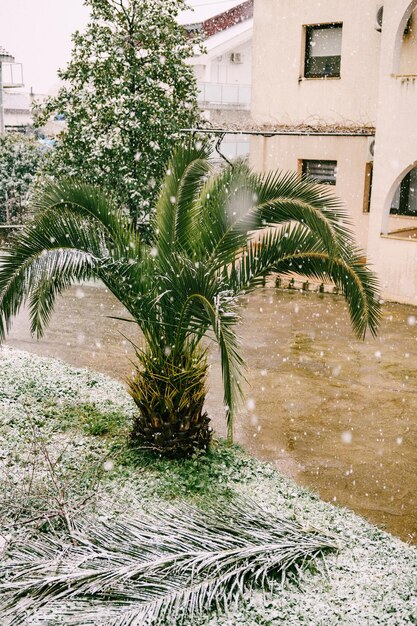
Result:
[63,449]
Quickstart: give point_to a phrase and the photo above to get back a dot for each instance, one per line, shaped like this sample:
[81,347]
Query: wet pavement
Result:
[337,414]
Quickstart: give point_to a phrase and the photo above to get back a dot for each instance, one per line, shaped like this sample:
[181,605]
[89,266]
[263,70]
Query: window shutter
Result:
[322,171]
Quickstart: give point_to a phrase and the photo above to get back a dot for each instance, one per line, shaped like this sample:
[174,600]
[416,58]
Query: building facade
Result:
[17,111]
[335,83]
[224,70]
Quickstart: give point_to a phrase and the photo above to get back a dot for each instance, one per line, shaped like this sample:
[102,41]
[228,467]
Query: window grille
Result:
[322,171]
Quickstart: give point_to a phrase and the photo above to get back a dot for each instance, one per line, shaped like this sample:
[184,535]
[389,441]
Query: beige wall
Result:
[279,96]
[395,154]
[284,153]
[408,56]
[378,85]
[396,265]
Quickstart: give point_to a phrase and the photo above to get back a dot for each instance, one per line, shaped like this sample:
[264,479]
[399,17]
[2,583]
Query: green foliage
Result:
[127,93]
[96,422]
[205,477]
[217,235]
[92,419]
[20,159]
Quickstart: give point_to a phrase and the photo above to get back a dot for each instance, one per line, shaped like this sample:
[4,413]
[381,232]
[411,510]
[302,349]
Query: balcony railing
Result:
[223,94]
[12,75]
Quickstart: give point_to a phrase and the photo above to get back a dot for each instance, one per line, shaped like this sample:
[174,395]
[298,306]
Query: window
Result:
[368,187]
[323,51]
[322,171]
[405,198]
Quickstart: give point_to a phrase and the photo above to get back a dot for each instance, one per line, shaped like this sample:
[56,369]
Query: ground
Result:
[63,453]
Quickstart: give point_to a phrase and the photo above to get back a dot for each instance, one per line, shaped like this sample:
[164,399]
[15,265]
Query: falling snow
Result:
[371,580]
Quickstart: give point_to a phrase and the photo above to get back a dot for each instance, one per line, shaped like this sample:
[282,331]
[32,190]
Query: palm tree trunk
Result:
[170,394]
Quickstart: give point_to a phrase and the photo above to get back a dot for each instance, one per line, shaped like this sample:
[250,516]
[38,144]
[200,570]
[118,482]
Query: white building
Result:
[337,82]
[392,239]
[224,71]
[17,110]
[11,78]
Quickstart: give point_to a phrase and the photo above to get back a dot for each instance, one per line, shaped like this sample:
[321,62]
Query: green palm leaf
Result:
[55,271]
[24,268]
[297,250]
[178,202]
[221,318]
[357,284]
[88,201]
[226,201]
[252,202]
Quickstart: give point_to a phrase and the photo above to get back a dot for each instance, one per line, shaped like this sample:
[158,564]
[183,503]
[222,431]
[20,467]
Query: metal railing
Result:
[224,94]
[12,75]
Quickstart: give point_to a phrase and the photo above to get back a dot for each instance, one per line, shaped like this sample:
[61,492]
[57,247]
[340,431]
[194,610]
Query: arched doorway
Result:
[405,50]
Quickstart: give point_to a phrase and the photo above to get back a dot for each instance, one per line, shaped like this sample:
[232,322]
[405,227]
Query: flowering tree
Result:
[127,92]
[20,159]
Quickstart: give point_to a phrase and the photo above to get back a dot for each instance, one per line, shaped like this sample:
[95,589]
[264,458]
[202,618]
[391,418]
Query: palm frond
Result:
[277,199]
[88,201]
[176,565]
[199,313]
[226,200]
[297,250]
[177,209]
[358,284]
[24,266]
[52,273]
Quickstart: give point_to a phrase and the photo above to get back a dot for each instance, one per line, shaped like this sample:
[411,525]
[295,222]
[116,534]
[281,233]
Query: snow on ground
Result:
[370,581]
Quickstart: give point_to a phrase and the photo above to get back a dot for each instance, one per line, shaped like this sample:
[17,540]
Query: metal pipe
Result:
[273,133]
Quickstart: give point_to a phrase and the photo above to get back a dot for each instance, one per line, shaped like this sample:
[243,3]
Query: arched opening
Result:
[400,215]
[404,201]
[405,55]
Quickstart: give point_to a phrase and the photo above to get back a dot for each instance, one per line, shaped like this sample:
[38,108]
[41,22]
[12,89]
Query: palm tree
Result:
[216,236]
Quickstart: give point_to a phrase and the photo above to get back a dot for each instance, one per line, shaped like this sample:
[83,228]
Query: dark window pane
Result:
[322,171]
[369,169]
[323,51]
[405,198]
[323,66]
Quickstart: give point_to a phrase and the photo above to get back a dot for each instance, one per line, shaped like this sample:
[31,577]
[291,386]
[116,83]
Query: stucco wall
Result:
[395,154]
[395,261]
[408,57]
[284,153]
[279,96]
[378,85]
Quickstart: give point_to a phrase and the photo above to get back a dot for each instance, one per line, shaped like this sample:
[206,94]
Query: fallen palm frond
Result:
[175,565]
